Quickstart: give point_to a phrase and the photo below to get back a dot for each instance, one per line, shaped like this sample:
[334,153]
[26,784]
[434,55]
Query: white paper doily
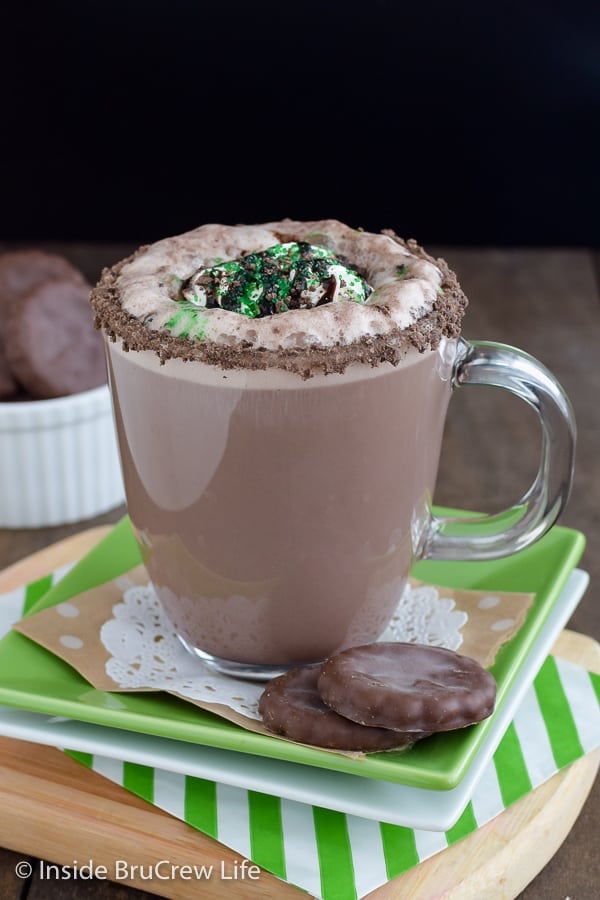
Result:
[423,617]
[146,653]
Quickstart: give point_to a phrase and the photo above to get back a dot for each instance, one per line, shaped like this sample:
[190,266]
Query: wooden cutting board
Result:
[60,811]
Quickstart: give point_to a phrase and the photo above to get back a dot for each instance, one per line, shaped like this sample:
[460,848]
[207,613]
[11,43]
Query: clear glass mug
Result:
[278,517]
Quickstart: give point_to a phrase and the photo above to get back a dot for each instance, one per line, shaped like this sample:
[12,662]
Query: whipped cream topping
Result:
[286,276]
[164,287]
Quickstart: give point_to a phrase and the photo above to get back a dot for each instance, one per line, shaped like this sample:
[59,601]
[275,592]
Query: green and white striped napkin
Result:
[340,857]
[336,856]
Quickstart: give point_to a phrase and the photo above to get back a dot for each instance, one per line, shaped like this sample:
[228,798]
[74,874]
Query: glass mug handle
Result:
[490,537]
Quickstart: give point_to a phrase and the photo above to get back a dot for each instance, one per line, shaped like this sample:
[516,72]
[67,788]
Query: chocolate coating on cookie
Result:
[51,344]
[20,273]
[407,687]
[290,706]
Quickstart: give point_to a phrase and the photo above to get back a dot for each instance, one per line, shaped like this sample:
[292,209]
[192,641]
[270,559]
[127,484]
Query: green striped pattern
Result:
[341,857]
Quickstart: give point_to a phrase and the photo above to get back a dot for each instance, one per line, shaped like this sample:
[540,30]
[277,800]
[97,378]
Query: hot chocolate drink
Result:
[280,394]
[274,515]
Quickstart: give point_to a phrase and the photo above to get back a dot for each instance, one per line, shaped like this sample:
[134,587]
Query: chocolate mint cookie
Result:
[51,345]
[23,270]
[290,706]
[407,687]
[20,273]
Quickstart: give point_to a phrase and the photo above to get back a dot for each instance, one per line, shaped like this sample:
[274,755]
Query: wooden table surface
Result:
[548,303]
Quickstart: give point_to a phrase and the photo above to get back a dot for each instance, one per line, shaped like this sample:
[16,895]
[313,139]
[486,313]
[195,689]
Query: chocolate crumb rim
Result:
[443,320]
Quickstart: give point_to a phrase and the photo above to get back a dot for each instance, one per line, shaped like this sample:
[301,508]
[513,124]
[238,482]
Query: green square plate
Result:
[33,679]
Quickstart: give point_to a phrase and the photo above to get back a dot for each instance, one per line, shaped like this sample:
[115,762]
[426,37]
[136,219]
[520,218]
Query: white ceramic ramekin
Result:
[58,460]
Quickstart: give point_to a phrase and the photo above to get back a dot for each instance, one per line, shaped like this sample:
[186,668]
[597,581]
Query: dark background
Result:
[458,123]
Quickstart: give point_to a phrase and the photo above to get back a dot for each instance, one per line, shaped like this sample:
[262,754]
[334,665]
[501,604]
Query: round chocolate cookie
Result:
[290,706]
[407,687]
[51,344]
[20,272]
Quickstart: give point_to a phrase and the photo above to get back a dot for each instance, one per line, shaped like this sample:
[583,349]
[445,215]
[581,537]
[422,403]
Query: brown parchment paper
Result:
[71,631]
